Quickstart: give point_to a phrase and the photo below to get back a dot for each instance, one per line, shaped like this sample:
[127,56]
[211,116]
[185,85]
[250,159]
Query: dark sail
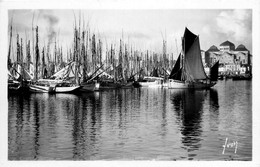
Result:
[214,72]
[188,40]
[193,63]
[193,67]
[175,69]
[155,72]
[178,75]
[189,71]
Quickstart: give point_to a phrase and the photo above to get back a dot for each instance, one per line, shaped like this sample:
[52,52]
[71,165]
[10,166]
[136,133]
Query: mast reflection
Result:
[36,114]
[85,113]
[213,110]
[214,105]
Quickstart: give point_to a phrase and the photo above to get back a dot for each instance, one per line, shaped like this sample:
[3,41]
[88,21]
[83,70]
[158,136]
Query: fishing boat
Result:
[148,81]
[53,86]
[188,71]
[106,84]
[13,84]
[18,80]
[127,85]
[95,82]
[90,86]
[242,77]
[62,81]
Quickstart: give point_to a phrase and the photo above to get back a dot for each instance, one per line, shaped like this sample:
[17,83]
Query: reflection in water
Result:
[214,106]
[36,127]
[84,112]
[122,100]
[188,108]
[129,124]
[19,125]
[19,121]
[78,134]
[164,120]
[214,110]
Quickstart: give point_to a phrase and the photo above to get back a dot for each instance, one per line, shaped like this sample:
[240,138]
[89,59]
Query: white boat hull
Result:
[51,89]
[155,84]
[66,89]
[151,82]
[38,88]
[175,84]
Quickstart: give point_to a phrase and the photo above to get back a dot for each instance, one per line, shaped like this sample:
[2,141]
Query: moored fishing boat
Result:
[127,85]
[53,86]
[90,86]
[150,82]
[104,85]
[62,81]
[14,86]
[19,82]
[188,71]
[242,77]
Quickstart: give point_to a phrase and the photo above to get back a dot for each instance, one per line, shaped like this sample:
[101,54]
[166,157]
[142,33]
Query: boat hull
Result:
[90,87]
[52,89]
[175,84]
[242,77]
[38,88]
[14,88]
[127,85]
[109,85]
[154,84]
[67,89]
[17,87]
[151,82]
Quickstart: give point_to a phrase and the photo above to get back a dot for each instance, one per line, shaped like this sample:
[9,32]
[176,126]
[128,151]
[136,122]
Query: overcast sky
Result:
[144,29]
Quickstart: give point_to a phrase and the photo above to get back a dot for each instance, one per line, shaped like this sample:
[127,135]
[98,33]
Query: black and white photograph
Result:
[129,83]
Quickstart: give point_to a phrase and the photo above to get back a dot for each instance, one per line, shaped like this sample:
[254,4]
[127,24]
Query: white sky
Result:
[144,29]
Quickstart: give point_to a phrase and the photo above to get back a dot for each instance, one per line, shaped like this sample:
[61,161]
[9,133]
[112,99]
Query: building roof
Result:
[227,43]
[213,48]
[241,48]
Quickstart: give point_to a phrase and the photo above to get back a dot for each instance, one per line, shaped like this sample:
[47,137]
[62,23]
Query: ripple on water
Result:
[132,124]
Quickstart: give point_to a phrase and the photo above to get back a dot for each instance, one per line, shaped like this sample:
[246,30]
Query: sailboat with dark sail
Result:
[188,71]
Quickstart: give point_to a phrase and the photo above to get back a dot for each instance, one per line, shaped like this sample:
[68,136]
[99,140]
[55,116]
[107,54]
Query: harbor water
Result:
[133,124]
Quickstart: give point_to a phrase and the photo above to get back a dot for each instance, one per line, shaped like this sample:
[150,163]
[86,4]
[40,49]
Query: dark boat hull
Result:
[235,78]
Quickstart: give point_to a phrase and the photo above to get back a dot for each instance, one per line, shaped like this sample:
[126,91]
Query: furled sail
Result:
[192,60]
[63,73]
[214,72]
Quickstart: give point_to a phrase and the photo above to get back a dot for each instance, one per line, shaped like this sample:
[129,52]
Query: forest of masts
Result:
[121,61]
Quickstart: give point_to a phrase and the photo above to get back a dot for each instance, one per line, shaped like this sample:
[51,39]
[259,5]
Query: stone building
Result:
[226,46]
[231,60]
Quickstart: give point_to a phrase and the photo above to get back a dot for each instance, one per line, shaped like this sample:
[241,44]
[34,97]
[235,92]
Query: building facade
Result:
[231,60]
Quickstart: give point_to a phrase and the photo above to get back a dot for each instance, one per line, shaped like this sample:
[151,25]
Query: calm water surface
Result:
[133,124]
